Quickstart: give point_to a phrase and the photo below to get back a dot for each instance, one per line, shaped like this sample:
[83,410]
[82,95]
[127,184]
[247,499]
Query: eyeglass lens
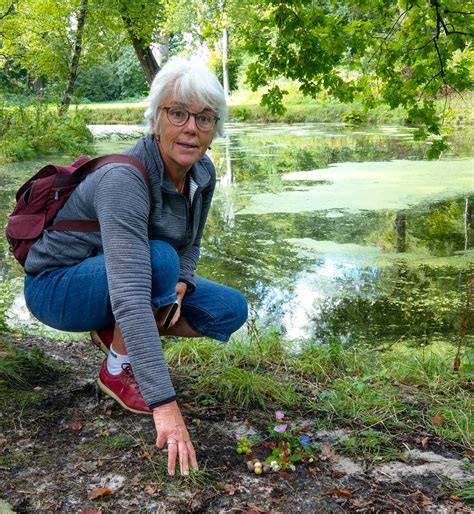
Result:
[178,116]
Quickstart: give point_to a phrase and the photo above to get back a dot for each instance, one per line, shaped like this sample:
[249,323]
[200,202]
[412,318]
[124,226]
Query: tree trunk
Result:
[142,50]
[75,58]
[147,59]
[401,231]
[225,70]
[163,50]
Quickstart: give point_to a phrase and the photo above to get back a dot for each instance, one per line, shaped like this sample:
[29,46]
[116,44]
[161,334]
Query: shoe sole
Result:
[98,342]
[110,393]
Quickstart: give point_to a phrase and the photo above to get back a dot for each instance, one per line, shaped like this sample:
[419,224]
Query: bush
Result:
[31,129]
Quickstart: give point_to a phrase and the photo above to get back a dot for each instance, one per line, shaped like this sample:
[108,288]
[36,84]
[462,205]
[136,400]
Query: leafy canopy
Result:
[400,53]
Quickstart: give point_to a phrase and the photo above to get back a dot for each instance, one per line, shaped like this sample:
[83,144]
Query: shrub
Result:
[31,129]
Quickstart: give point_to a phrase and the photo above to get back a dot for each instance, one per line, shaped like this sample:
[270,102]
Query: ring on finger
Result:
[171,441]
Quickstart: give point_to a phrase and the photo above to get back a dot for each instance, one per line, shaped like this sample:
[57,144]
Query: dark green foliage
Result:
[383,52]
[112,79]
[32,129]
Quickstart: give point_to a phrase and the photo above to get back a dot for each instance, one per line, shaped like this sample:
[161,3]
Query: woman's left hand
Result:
[180,292]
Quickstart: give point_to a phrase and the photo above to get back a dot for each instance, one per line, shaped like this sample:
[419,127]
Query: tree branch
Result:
[448,11]
[441,63]
[10,10]
[429,82]
[390,32]
[423,46]
[460,33]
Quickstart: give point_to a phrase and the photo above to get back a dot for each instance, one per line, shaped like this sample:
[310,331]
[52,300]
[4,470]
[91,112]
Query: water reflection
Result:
[327,269]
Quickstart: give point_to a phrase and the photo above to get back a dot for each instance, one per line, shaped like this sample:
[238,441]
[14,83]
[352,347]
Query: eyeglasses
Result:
[178,116]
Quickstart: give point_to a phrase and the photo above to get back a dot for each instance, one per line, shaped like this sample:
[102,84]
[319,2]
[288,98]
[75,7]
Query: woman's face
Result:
[182,146]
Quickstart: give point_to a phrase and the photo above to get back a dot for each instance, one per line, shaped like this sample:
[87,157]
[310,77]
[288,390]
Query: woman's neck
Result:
[177,174]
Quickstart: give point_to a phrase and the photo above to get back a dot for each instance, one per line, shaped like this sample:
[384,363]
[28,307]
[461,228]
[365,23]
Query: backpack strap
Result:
[85,169]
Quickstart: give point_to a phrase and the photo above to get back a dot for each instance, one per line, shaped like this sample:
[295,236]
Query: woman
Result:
[121,279]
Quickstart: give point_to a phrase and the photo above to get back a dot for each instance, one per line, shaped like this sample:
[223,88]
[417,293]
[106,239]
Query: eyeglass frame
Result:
[189,113]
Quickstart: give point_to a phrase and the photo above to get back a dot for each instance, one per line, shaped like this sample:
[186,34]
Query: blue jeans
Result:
[76,298]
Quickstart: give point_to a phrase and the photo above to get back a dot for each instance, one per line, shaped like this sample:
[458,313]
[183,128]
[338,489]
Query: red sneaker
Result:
[123,388]
[103,338]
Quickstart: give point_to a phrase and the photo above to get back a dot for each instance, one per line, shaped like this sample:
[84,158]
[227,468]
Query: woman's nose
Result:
[190,125]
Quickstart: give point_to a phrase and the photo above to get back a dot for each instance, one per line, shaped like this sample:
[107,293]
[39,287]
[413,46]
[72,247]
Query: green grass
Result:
[119,441]
[397,391]
[371,445]
[24,369]
[245,388]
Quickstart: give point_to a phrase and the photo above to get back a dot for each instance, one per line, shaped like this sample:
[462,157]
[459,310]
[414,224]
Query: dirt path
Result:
[57,452]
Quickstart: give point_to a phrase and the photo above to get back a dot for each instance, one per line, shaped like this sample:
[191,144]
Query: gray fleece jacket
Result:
[118,197]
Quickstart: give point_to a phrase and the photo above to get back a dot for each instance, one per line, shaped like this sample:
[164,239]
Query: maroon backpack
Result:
[41,197]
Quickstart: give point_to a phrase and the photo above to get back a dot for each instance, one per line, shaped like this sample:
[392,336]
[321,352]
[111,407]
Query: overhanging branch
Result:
[10,10]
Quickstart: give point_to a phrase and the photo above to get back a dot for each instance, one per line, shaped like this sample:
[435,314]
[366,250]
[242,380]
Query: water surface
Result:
[331,232]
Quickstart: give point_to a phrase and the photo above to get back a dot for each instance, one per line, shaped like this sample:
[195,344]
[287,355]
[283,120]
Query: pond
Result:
[332,233]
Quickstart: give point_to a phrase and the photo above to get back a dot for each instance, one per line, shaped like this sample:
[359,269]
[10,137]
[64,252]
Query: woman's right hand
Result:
[172,431]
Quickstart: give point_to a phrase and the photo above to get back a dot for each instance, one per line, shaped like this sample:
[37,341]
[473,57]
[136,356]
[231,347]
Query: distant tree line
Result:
[403,53]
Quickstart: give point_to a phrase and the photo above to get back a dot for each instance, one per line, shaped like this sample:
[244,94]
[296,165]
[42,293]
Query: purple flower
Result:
[238,437]
[279,414]
[304,440]
[281,428]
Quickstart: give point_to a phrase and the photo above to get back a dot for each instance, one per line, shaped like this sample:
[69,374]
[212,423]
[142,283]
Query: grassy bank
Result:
[244,106]
[32,128]
[388,396]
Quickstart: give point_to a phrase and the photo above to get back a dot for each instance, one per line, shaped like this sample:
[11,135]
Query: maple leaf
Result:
[99,492]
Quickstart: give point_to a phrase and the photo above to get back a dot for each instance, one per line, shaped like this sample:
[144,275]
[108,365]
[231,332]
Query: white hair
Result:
[186,82]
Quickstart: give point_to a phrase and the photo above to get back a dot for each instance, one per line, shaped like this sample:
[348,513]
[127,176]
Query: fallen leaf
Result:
[99,492]
[359,504]
[229,489]
[425,501]
[423,441]
[437,419]
[87,467]
[75,425]
[469,453]
[338,474]
[328,453]
[339,492]
[149,489]
[454,497]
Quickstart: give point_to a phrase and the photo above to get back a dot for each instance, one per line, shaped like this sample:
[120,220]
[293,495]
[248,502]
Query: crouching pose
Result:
[119,282]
